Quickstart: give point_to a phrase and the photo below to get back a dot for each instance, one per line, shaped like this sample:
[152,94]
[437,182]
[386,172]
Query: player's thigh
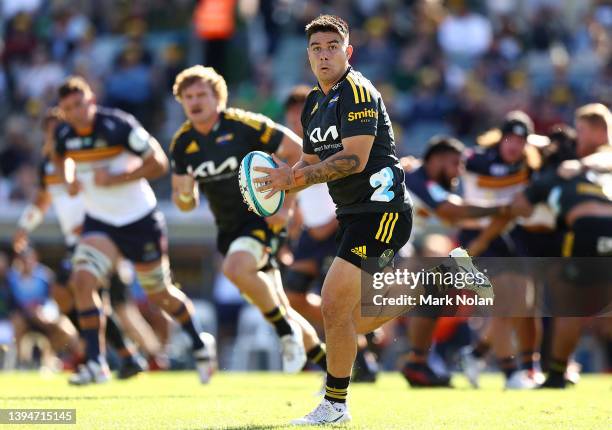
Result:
[341,289]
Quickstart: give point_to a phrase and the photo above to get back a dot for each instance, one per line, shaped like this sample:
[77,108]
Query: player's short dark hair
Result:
[563,144]
[328,24]
[441,144]
[72,85]
[297,96]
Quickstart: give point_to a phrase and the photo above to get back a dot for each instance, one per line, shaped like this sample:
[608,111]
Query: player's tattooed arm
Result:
[336,167]
[350,160]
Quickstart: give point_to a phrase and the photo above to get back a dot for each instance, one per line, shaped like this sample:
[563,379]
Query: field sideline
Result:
[269,400]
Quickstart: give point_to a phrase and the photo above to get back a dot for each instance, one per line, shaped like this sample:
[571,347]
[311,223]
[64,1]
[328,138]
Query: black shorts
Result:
[589,244]
[536,244]
[257,228]
[589,237]
[370,240]
[308,248]
[143,241]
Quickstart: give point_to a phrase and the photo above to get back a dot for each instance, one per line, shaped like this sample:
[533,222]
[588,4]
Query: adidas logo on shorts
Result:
[360,251]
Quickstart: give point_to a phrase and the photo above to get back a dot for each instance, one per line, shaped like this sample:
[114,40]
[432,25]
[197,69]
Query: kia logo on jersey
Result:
[315,135]
[208,168]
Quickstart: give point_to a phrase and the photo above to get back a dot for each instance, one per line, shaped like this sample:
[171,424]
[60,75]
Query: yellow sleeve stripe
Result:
[363,95]
[354,89]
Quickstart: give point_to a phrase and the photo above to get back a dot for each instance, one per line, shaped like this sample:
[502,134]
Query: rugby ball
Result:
[254,199]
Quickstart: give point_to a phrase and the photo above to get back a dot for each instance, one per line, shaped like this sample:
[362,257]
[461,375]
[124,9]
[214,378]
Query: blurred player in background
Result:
[108,156]
[29,290]
[496,170]
[206,153]
[433,188]
[583,209]
[70,211]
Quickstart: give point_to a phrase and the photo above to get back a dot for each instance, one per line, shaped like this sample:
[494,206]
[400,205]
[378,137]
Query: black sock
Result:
[189,324]
[527,360]
[481,349]
[557,368]
[91,334]
[73,316]
[277,318]
[317,356]
[115,338]
[508,366]
[336,389]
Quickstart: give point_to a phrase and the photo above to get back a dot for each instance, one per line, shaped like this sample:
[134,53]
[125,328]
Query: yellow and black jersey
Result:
[353,107]
[113,132]
[214,159]
[562,195]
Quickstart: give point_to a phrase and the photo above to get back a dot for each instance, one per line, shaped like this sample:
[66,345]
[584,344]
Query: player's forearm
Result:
[152,168]
[338,166]
[469,211]
[495,228]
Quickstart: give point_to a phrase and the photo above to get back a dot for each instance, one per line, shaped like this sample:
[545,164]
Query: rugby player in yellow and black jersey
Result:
[348,143]
[206,153]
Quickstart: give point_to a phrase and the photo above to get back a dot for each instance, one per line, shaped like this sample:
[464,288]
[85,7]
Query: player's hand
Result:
[74,187]
[278,179]
[20,240]
[409,163]
[570,168]
[279,220]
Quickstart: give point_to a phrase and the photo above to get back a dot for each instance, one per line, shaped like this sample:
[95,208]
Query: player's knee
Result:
[245,257]
[90,265]
[333,310]
[155,280]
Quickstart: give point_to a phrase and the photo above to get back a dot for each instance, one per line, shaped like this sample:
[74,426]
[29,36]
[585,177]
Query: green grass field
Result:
[269,400]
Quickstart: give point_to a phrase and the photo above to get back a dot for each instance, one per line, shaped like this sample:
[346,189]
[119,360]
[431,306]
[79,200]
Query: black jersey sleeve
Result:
[177,153]
[539,189]
[358,108]
[307,112]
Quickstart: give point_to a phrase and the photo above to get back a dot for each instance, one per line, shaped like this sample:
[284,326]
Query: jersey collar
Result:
[337,84]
